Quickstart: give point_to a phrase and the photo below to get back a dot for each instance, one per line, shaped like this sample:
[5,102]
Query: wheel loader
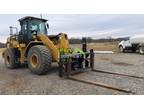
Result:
[33,46]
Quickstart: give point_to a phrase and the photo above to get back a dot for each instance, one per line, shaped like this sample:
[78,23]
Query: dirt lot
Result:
[21,81]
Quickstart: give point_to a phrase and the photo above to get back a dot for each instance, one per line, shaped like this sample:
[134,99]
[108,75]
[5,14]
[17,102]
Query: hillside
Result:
[2,45]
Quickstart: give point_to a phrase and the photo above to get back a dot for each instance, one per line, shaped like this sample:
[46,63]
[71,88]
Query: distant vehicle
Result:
[135,43]
[125,45]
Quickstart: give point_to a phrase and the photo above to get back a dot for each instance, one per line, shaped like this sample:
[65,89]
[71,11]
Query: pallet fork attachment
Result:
[67,71]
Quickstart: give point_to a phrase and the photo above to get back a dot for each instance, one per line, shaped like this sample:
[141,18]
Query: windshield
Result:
[38,26]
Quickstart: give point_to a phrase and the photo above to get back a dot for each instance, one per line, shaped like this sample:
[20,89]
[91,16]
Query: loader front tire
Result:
[9,58]
[39,59]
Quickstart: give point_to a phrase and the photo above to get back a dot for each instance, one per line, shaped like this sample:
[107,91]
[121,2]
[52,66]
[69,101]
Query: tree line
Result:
[91,40]
[2,45]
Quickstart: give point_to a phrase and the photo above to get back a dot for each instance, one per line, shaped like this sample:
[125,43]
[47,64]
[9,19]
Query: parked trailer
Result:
[138,42]
[135,43]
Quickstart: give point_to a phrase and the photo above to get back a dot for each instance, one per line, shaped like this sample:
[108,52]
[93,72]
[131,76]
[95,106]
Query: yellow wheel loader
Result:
[34,47]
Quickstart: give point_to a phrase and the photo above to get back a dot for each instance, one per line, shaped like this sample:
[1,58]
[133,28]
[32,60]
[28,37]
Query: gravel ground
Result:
[21,81]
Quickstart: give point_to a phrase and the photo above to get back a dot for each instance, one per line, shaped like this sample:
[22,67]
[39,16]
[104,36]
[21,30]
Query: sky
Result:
[81,25]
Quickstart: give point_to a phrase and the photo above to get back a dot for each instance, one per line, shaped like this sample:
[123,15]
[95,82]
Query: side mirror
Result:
[48,26]
[12,30]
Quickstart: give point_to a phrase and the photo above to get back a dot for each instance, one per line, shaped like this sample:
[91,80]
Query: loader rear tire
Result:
[9,58]
[39,59]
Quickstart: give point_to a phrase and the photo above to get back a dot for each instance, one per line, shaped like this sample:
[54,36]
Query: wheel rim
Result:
[141,51]
[7,59]
[121,49]
[34,60]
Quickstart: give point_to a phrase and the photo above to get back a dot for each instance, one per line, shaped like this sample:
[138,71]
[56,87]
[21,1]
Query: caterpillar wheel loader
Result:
[33,46]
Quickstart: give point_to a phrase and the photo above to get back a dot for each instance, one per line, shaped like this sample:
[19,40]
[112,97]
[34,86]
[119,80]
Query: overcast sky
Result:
[95,26]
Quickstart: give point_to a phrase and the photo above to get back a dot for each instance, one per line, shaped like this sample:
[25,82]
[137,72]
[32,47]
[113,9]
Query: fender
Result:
[31,44]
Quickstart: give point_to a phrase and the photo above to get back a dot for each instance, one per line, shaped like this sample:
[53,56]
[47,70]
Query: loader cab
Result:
[31,26]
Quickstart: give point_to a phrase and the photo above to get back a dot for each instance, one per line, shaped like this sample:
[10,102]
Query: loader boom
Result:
[55,49]
[49,44]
